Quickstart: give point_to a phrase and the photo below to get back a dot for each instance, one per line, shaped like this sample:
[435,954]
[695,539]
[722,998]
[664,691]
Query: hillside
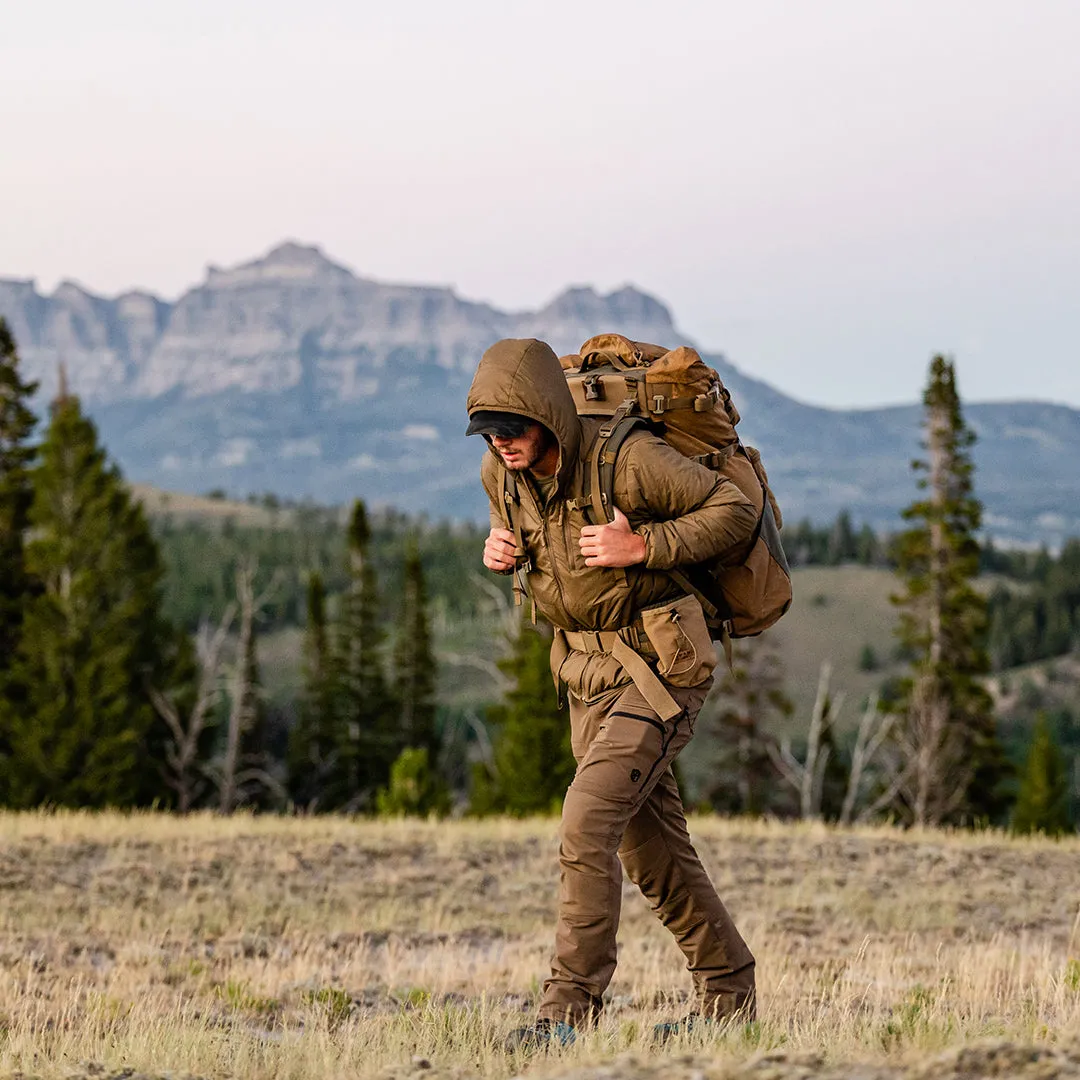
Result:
[290,374]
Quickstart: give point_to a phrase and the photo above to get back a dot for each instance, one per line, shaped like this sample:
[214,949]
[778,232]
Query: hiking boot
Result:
[543,1035]
[700,1025]
[688,1025]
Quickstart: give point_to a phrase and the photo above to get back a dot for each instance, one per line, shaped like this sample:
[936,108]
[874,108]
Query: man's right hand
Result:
[499,551]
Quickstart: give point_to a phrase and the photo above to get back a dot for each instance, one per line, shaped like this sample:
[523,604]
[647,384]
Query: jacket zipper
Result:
[558,584]
[542,514]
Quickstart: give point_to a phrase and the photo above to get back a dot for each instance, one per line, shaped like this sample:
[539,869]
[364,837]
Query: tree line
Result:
[129,671]
[106,701]
[1033,612]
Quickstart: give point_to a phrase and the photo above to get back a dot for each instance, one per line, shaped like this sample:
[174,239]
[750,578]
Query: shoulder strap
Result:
[600,468]
[512,517]
[600,474]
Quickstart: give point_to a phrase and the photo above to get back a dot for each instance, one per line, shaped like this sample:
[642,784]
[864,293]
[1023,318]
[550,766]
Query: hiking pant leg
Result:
[623,750]
[660,859]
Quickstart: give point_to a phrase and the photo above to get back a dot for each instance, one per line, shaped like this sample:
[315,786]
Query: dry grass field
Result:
[265,947]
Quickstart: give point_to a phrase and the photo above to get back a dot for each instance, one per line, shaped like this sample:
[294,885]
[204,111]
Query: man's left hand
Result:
[614,544]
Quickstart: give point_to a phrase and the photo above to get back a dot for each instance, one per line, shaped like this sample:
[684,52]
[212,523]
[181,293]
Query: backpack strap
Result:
[600,470]
[600,466]
[512,517]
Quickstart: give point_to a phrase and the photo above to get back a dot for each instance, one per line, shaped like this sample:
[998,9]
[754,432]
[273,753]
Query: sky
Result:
[827,192]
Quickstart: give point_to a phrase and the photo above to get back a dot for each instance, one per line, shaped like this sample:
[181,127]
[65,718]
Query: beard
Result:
[527,451]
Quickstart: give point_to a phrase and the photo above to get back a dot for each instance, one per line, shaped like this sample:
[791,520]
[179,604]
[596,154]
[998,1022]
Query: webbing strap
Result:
[620,414]
[590,640]
[643,677]
[646,680]
[601,472]
[683,581]
[729,651]
[513,520]
[560,650]
[592,360]
[717,619]
[596,490]
[661,404]
[715,459]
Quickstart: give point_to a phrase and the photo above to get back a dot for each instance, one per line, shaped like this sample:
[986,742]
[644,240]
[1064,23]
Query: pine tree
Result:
[93,640]
[954,761]
[843,546]
[414,661]
[365,730]
[1043,802]
[17,423]
[413,789]
[312,751]
[533,759]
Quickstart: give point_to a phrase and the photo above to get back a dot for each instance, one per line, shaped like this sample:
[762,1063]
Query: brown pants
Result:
[624,805]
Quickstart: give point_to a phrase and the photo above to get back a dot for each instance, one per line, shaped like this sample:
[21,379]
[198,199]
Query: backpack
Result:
[678,397]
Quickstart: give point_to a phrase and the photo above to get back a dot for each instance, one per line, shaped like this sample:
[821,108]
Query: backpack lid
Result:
[631,353]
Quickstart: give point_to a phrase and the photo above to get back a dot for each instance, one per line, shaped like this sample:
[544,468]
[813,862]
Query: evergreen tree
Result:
[947,732]
[16,456]
[312,751]
[414,661]
[533,759]
[93,640]
[1043,802]
[735,720]
[867,547]
[366,736]
[843,546]
[413,790]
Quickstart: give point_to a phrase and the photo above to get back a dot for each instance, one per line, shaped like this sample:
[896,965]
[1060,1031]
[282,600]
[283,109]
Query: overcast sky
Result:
[826,191]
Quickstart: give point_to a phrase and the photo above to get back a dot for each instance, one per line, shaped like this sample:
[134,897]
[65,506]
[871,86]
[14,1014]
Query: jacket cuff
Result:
[657,552]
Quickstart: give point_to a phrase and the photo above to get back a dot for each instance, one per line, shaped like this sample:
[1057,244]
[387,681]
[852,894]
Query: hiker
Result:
[634,654]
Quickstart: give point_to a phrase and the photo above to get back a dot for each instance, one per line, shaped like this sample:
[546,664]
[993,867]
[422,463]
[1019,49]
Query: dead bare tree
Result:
[184,772]
[508,625]
[874,728]
[930,772]
[235,774]
[808,777]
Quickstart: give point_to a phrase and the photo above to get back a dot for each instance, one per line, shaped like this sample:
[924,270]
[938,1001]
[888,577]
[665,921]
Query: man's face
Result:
[524,451]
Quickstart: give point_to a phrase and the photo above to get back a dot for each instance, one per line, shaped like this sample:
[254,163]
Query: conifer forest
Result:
[306,659]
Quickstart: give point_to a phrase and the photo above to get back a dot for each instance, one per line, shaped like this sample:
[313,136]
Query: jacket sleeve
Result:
[686,512]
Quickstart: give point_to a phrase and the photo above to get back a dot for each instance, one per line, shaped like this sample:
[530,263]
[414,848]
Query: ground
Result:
[269,947]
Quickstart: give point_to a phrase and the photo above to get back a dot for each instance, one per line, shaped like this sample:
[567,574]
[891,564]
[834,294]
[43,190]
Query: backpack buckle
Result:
[594,389]
[620,413]
[659,402]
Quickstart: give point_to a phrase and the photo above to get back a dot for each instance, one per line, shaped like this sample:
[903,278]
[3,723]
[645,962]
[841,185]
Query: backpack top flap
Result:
[618,351]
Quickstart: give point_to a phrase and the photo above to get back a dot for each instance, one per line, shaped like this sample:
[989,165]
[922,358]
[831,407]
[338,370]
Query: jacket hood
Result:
[524,376]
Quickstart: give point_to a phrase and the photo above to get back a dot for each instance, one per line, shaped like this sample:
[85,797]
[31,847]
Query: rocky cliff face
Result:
[290,374]
[292,319]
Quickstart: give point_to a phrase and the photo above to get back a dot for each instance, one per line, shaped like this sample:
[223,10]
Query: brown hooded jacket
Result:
[685,512]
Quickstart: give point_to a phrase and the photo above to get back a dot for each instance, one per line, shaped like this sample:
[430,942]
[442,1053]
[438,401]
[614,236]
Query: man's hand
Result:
[612,545]
[499,551]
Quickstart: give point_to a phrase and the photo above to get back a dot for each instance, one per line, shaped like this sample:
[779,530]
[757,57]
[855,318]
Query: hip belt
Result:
[625,645]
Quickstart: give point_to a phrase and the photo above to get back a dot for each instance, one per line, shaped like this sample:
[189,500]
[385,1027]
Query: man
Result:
[635,657]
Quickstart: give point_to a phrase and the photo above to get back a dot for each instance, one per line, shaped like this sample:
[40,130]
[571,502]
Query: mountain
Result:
[291,374]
